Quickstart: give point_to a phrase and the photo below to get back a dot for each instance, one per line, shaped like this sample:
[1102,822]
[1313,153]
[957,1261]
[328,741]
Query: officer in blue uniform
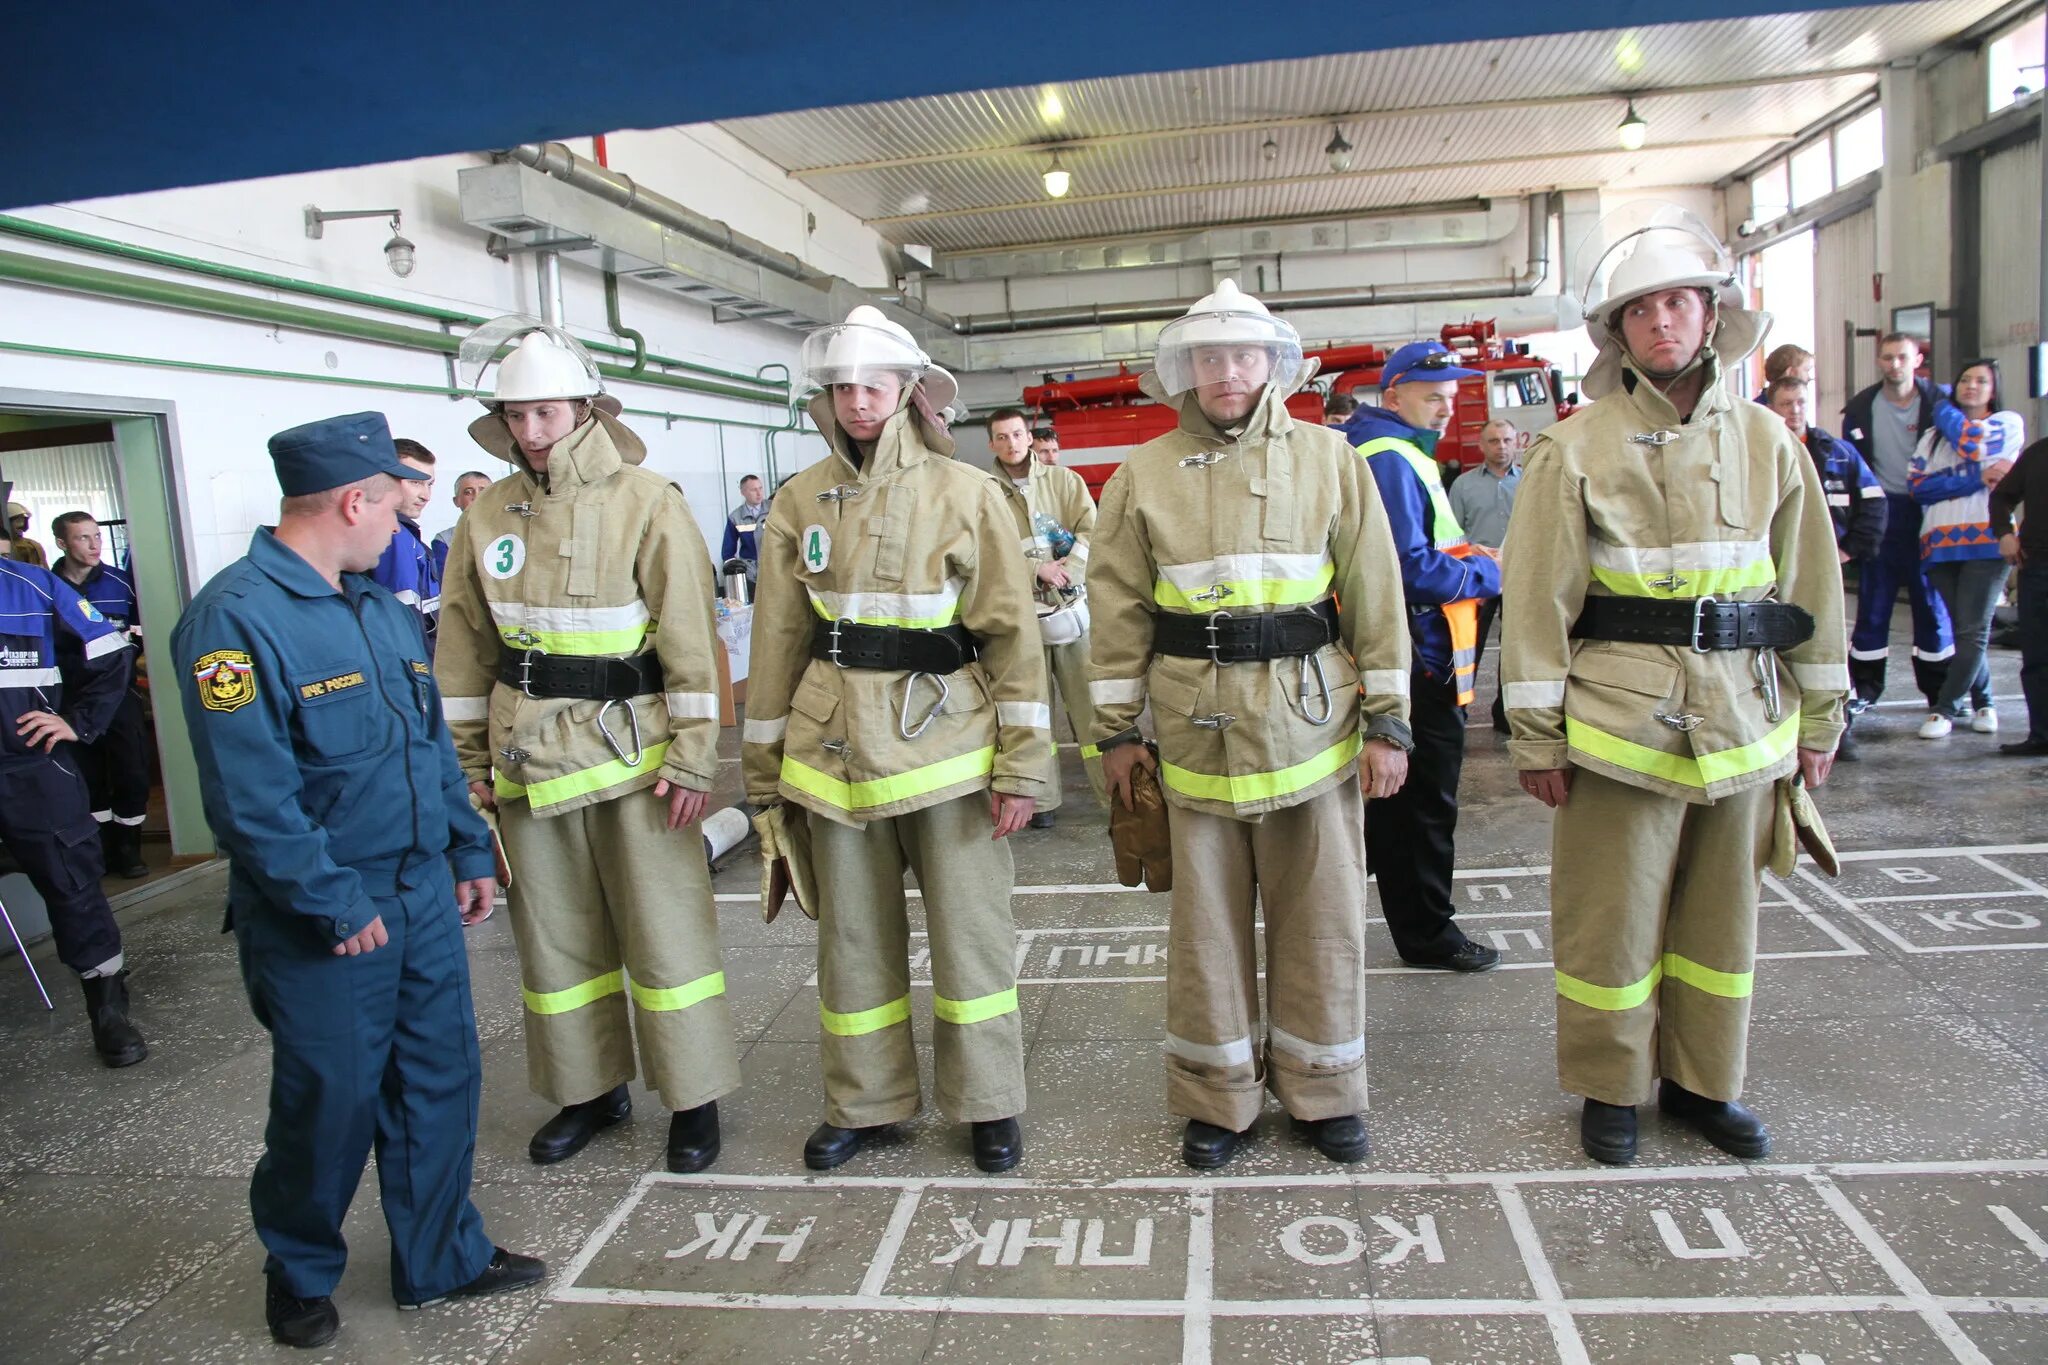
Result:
[46,819]
[330,783]
[408,569]
[116,765]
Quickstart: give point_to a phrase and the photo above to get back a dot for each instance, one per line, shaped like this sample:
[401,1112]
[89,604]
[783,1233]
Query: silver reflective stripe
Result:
[1316,1054]
[1694,556]
[1838,499]
[917,610]
[1035,715]
[430,605]
[1236,1052]
[570,620]
[407,596]
[691,705]
[1821,677]
[1875,490]
[105,645]
[1532,696]
[1932,656]
[764,731]
[1080,550]
[454,709]
[30,677]
[1110,691]
[1385,682]
[1879,653]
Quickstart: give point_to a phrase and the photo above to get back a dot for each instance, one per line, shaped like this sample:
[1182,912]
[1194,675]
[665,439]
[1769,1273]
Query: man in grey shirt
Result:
[1481,500]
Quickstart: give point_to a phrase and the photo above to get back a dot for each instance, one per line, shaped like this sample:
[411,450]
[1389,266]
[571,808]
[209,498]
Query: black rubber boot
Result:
[121,846]
[118,1041]
[693,1138]
[304,1323]
[832,1145]
[1205,1146]
[1608,1132]
[998,1144]
[1730,1126]
[570,1131]
[1341,1139]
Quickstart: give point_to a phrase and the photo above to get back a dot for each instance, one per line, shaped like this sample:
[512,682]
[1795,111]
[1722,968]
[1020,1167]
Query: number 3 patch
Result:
[817,547]
[504,556]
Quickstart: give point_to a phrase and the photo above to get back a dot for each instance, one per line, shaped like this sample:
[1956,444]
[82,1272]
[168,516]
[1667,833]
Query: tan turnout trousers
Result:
[1066,668]
[870,1059]
[1305,865]
[607,902]
[1653,918]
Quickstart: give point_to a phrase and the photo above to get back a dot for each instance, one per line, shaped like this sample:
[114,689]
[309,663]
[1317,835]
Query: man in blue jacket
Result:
[116,765]
[743,525]
[331,784]
[1409,837]
[409,569]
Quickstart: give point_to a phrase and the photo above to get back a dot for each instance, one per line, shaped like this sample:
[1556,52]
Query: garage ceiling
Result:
[1147,153]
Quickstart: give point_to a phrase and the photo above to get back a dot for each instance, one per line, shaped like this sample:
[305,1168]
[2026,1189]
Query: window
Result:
[1813,172]
[2013,64]
[1859,146]
[1769,196]
[1519,389]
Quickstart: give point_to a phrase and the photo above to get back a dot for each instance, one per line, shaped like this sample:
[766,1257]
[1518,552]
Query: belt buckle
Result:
[1699,615]
[832,650]
[1215,644]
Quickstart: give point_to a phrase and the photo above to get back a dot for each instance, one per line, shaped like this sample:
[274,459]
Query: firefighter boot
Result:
[693,1138]
[998,1144]
[1608,1132]
[121,846]
[570,1131]
[1726,1124]
[1205,1146]
[832,1145]
[1341,1139]
[117,1040]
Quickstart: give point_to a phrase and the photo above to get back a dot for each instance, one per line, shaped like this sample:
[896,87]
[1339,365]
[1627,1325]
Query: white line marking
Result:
[1944,1326]
[2017,1226]
[574,1270]
[892,1241]
[2029,883]
[1949,896]
[1564,1333]
[1953,851]
[1201,1282]
[1850,947]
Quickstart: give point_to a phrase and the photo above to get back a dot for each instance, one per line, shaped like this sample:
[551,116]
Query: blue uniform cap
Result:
[1427,362]
[337,450]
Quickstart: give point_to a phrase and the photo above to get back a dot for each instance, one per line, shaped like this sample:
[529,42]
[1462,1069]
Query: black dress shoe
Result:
[1608,1132]
[1205,1146]
[693,1138]
[2025,748]
[114,1035]
[1041,819]
[570,1131]
[507,1271]
[832,1145]
[1466,957]
[998,1144]
[1730,1126]
[1341,1139]
[304,1323]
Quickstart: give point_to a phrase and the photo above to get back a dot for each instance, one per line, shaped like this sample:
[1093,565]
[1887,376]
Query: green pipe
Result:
[618,326]
[107,246]
[389,385]
[87,279]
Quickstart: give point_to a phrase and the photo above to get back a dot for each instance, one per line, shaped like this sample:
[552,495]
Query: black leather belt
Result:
[1701,623]
[585,677]
[1226,639]
[852,645]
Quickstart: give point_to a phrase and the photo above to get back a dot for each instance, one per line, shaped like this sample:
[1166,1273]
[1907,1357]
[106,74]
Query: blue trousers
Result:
[376,1051]
[46,823]
[1897,565]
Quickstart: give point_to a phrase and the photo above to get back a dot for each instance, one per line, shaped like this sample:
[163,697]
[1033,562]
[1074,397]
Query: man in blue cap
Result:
[1409,835]
[330,782]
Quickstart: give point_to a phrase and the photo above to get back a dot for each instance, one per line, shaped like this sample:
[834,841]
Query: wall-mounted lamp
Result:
[1634,129]
[1058,181]
[1339,151]
[399,253]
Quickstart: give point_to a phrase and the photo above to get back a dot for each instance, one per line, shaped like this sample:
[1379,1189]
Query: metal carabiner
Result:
[1202,460]
[840,492]
[524,509]
[1315,662]
[903,714]
[1663,436]
[612,740]
[1764,666]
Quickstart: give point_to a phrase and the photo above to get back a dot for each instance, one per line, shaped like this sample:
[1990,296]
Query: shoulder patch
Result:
[226,679]
[419,667]
[323,687]
[89,611]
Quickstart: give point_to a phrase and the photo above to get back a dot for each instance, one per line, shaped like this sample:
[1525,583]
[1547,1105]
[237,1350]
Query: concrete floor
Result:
[1898,1052]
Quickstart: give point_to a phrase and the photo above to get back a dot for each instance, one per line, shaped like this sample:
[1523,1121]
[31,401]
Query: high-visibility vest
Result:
[1462,616]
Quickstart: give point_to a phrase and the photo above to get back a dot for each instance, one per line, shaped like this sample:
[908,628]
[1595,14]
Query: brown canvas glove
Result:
[785,861]
[1140,837]
[1797,826]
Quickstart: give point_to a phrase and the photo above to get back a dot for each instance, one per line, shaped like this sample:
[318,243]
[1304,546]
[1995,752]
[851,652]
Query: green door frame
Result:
[161,552]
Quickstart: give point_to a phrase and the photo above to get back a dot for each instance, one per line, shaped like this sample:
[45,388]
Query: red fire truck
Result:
[1098,421]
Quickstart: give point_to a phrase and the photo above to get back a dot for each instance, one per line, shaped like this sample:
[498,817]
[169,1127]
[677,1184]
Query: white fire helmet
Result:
[1226,321]
[543,362]
[1645,248]
[869,344]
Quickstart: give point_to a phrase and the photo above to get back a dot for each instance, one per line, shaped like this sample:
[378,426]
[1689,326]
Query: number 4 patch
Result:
[817,547]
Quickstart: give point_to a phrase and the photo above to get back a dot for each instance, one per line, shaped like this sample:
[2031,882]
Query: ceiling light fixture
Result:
[399,253]
[1057,181]
[1339,151]
[1269,148]
[1634,129]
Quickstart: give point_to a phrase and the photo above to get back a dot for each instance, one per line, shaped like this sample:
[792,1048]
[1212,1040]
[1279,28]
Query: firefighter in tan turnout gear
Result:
[1055,521]
[896,694]
[577,670]
[1674,654]
[1222,554]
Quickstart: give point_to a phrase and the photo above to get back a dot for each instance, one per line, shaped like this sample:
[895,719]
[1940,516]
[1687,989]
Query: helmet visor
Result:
[572,370]
[1673,243]
[1225,351]
[854,353]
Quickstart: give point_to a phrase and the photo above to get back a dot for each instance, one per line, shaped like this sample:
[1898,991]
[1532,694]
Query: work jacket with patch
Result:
[899,535]
[1060,498]
[1625,499]
[600,557]
[1278,516]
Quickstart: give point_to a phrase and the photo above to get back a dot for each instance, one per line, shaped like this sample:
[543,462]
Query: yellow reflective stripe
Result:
[1444,529]
[678,997]
[1689,582]
[864,1021]
[944,618]
[1247,592]
[574,997]
[1609,997]
[1732,985]
[976,1010]
[1261,786]
[553,791]
[880,791]
[626,641]
[1729,985]
[1090,751]
[1720,766]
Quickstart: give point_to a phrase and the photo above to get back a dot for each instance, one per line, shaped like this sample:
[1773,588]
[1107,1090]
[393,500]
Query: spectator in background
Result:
[1482,501]
[1952,480]
[1856,502]
[2025,489]
[25,551]
[1785,362]
[408,569]
[467,485]
[1045,446]
[743,524]
[1337,409]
